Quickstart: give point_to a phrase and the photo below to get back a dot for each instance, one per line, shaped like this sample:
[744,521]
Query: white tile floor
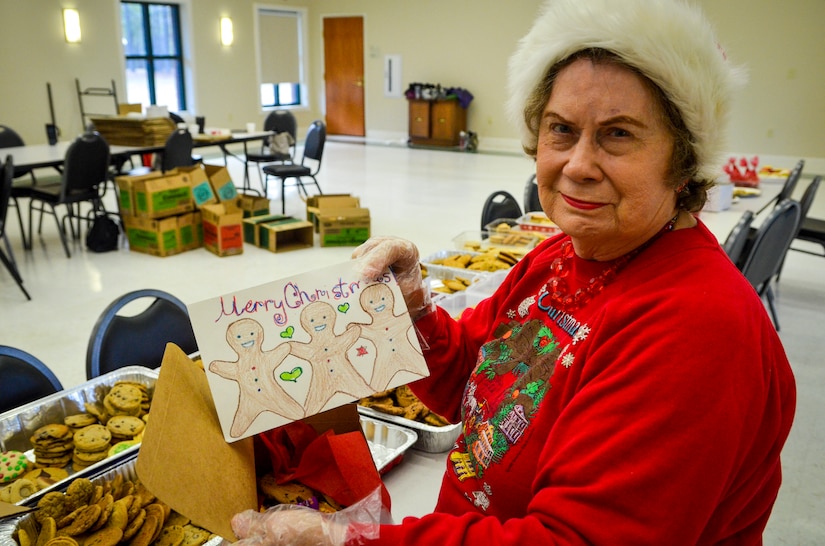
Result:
[428,197]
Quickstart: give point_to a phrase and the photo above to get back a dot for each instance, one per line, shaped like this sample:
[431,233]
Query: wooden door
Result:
[344,75]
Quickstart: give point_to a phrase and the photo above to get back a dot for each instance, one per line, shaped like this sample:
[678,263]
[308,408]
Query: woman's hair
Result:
[683,160]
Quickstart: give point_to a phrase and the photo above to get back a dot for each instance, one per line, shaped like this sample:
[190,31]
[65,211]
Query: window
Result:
[280,54]
[154,54]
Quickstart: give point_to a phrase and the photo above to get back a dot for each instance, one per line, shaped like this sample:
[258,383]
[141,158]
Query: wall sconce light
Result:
[227,35]
[71,25]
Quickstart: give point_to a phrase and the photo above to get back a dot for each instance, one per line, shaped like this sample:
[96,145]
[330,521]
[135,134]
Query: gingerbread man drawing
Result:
[332,372]
[394,352]
[254,372]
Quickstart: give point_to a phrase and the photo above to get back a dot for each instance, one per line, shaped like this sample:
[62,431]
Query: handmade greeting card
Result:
[291,348]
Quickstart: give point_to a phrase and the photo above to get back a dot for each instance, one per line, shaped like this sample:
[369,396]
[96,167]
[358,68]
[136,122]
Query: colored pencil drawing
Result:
[295,347]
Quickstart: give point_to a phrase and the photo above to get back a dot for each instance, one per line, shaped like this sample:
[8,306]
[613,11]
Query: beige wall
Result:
[462,43]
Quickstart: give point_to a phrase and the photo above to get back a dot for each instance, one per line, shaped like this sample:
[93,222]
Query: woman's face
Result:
[602,160]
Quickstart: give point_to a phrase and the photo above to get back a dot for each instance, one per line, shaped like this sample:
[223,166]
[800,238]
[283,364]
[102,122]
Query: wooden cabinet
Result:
[436,122]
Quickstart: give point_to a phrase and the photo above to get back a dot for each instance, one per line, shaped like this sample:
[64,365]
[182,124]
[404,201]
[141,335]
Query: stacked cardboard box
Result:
[339,219]
[134,131]
[154,207]
[182,209]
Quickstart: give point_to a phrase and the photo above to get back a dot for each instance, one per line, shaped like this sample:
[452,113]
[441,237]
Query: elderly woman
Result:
[624,385]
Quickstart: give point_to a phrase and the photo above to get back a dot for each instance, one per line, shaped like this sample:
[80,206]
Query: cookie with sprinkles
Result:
[13,464]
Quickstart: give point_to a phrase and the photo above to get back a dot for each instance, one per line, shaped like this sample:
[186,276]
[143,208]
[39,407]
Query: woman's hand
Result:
[402,256]
[296,526]
[292,525]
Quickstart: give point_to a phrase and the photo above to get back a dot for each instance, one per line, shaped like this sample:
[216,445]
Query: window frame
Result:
[179,59]
[300,88]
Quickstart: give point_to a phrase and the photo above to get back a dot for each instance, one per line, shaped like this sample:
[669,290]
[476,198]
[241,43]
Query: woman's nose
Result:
[583,164]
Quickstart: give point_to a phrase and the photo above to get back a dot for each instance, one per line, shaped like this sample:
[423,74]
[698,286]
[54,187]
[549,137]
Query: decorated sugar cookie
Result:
[13,464]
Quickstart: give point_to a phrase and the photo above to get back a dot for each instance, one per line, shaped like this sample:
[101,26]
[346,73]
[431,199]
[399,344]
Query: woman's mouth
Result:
[581,205]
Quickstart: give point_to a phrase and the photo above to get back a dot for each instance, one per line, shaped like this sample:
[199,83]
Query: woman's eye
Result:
[560,128]
[617,132]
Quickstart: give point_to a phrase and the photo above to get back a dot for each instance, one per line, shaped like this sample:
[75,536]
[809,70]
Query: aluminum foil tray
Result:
[18,425]
[387,442]
[430,439]
[438,271]
[124,466]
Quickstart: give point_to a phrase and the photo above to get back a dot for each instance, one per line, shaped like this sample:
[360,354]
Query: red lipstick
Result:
[582,205]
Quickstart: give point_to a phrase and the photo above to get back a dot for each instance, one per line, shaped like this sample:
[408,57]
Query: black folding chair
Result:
[119,339]
[771,243]
[25,378]
[85,170]
[5,196]
[313,151]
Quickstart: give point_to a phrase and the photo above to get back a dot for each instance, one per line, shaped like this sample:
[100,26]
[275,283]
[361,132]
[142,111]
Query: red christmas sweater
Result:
[655,414]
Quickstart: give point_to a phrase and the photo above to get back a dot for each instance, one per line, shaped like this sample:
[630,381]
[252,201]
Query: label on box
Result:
[227,192]
[223,240]
[162,200]
[344,236]
[202,193]
[295,347]
[156,237]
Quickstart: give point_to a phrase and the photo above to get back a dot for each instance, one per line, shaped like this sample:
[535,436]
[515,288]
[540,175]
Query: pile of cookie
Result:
[491,259]
[114,423]
[106,427]
[107,513]
[274,493]
[19,480]
[402,402]
[451,286]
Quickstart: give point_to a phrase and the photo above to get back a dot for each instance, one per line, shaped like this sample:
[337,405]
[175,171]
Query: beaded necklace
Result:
[558,289]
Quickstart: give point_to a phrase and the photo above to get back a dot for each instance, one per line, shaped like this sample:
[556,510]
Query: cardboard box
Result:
[162,196]
[158,237]
[253,205]
[190,230]
[135,131]
[318,204]
[124,108]
[126,192]
[222,228]
[221,182]
[251,226]
[344,227]
[202,192]
[286,234]
[186,463]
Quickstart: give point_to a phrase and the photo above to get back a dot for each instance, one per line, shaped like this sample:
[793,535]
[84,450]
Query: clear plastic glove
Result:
[402,256]
[301,526]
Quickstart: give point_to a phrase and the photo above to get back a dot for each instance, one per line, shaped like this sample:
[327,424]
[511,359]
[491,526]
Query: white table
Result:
[413,485]
[37,156]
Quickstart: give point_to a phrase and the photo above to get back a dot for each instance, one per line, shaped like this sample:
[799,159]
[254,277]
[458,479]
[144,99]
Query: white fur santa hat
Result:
[669,41]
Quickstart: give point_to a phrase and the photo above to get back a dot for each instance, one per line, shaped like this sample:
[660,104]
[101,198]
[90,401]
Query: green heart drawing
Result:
[292,375]
[287,334]
[344,307]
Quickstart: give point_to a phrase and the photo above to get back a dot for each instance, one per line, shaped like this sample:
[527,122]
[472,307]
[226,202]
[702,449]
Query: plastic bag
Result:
[281,144]
[103,234]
